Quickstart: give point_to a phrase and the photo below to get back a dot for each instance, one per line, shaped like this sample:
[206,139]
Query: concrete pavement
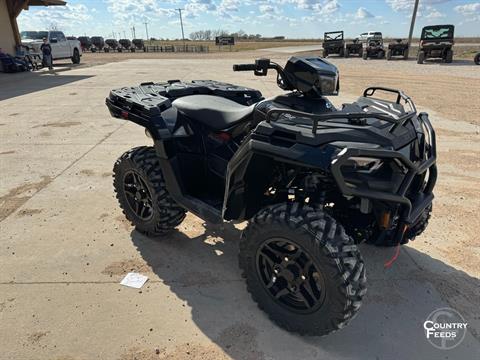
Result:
[65,246]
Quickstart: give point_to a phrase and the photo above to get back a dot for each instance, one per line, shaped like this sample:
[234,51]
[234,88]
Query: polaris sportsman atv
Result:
[311,180]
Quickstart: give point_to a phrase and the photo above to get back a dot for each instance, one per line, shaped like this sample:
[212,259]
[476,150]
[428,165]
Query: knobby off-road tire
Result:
[420,57]
[414,231]
[161,214]
[337,262]
[449,56]
[477,59]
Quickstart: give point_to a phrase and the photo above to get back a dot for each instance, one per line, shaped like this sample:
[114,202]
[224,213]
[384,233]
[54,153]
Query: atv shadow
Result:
[202,270]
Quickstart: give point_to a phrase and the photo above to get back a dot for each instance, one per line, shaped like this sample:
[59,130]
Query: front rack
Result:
[316,118]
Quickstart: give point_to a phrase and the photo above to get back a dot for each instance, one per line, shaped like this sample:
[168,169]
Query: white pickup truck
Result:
[62,48]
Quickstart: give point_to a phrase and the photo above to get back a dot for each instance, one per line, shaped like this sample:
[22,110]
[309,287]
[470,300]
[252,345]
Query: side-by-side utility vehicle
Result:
[311,180]
[436,41]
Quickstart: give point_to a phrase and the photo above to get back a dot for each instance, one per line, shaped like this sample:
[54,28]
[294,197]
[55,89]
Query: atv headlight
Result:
[364,164]
[327,85]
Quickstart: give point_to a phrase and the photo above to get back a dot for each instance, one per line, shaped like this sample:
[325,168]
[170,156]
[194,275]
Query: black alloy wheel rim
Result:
[138,195]
[290,276]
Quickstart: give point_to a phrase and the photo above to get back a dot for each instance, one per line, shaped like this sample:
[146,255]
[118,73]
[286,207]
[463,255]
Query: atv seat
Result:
[216,112]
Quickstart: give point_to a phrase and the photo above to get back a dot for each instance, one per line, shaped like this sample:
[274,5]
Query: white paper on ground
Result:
[134,280]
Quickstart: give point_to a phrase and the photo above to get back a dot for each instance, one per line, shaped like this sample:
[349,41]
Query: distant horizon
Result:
[294,19]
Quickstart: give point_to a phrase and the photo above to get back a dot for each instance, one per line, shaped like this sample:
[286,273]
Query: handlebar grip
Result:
[244,67]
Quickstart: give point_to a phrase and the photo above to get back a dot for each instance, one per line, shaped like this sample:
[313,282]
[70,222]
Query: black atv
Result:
[333,43]
[112,45]
[436,42]
[477,59]
[354,48]
[398,48]
[98,43]
[373,48]
[126,45]
[311,180]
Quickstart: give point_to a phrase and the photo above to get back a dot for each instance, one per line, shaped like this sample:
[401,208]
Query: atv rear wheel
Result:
[477,59]
[420,57]
[142,194]
[302,269]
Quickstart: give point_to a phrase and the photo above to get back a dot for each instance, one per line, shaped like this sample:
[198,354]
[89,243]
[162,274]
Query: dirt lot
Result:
[65,245]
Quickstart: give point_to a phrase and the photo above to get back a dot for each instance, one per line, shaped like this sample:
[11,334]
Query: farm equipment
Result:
[112,45]
[85,42]
[436,42]
[125,44]
[354,48]
[398,48]
[373,47]
[311,180]
[98,44]
[138,44]
[333,43]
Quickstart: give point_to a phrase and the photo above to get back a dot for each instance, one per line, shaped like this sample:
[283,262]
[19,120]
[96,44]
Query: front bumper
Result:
[411,205]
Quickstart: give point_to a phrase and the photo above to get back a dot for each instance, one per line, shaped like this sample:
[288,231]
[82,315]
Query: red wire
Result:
[395,256]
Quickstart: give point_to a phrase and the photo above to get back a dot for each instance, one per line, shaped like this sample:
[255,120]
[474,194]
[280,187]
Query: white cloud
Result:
[404,5]
[468,9]
[63,18]
[126,11]
[363,13]
[434,14]
[470,12]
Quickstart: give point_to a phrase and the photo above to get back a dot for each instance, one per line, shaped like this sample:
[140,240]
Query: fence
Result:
[177,48]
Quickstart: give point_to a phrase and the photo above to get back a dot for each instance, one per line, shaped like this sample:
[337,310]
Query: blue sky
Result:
[290,18]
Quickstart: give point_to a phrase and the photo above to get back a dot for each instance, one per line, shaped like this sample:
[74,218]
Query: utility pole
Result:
[146,29]
[412,24]
[133,32]
[181,24]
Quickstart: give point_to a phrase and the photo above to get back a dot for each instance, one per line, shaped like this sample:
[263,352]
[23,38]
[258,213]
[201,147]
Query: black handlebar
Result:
[244,67]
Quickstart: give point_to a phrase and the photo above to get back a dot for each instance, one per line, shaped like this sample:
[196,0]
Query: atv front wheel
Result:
[302,269]
[142,194]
